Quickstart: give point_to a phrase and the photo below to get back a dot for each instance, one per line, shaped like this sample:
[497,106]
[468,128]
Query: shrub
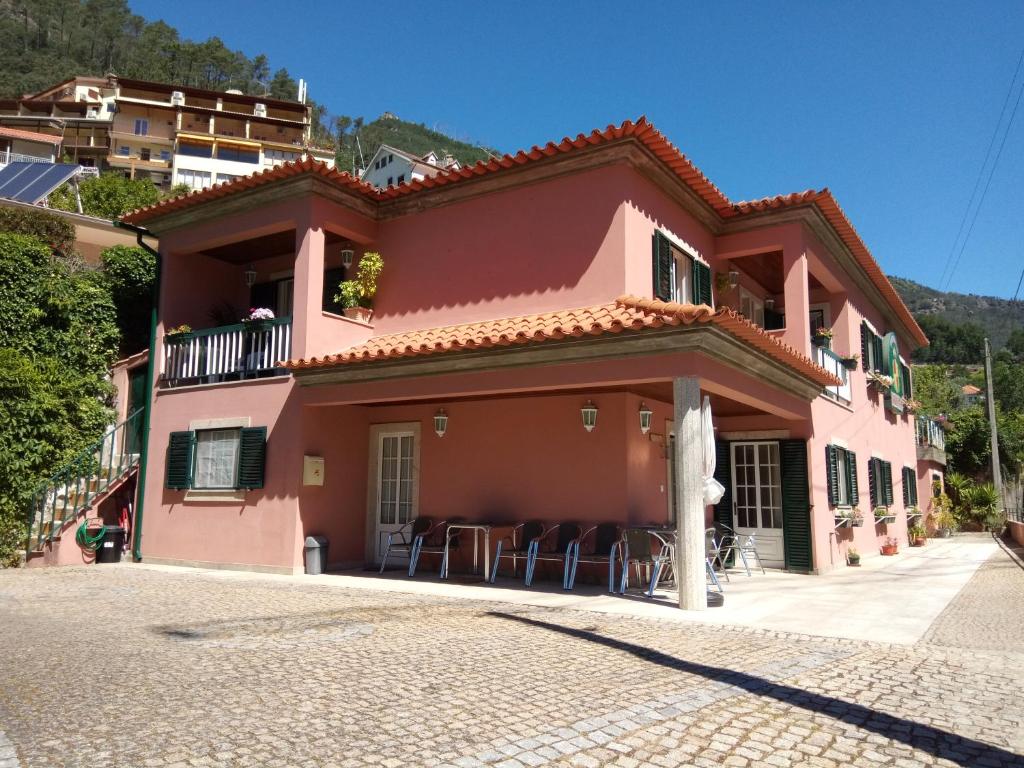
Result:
[51,229]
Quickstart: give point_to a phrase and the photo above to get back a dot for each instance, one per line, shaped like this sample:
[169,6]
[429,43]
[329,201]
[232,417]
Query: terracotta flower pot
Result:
[362,314]
[889,549]
[920,541]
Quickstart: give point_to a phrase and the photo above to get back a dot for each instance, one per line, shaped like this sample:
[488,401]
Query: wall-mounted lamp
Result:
[347,254]
[769,303]
[734,278]
[645,418]
[589,413]
[440,422]
[250,276]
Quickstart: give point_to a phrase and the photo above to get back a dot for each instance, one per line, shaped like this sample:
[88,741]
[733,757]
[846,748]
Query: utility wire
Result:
[981,174]
[1019,282]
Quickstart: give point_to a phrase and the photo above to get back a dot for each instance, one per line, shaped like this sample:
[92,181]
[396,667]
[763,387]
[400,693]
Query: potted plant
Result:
[356,296]
[879,380]
[180,334]
[856,517]
[917,535]
[850,362]
[912,406]
[882,514]
[823,337]
[945,520]
[258,319]
[891,547]
[852,556]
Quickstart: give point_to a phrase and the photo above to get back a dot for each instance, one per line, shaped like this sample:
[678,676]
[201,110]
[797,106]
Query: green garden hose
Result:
[87,542]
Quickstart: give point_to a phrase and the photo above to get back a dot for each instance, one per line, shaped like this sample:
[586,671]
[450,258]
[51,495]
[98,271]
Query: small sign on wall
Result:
[312,470]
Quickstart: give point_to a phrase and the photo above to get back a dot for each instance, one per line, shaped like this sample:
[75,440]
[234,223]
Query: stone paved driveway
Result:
[127,666]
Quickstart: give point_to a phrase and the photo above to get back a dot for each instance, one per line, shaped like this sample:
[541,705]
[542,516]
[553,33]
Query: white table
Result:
[454,529]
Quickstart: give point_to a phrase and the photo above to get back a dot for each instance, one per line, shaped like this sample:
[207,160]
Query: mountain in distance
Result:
[997,317]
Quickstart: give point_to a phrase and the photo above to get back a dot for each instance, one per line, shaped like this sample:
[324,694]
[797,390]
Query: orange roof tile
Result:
[641,130]
[627,313]
[17,133]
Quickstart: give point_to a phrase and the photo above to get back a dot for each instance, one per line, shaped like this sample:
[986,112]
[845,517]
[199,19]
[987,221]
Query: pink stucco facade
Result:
[515,448]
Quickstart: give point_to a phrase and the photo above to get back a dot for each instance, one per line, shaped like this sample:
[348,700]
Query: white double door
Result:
[396,487]
[757,498]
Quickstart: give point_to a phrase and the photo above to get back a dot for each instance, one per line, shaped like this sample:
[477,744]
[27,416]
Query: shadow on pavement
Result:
[941,744]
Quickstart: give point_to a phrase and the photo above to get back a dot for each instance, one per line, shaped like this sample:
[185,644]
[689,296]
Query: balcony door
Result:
[757,498]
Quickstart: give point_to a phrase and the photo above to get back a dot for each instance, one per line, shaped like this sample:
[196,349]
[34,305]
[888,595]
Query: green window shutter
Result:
[906,490]
[908,385]
[887,482]
[180,450]
[873,481]
[701,283]
[252,454]
[851,472]
[832,473]
[865,341]
[723,474]
[879,365]
[796,505]
[662,267]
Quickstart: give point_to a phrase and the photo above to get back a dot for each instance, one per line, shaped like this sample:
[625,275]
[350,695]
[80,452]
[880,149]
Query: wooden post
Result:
[689,490]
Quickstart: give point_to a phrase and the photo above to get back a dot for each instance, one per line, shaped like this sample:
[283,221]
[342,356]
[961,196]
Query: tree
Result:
[282,86]
[935,389]
[129,274]
[950,342]
[107,196]
[1015,344]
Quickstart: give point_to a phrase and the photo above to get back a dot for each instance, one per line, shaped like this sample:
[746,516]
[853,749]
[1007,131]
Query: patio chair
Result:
[555,544]
[432,541]
[404,540]
[516,547]
[598,544]
[742,544]
[713,556]
[637,549]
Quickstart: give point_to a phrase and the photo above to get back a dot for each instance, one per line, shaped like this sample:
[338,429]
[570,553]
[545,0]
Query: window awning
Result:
[196,138]
[233,142]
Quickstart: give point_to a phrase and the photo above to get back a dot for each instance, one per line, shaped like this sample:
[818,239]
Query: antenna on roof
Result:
[362,162]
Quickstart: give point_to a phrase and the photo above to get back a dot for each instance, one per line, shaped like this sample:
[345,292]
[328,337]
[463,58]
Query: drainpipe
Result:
[140,490]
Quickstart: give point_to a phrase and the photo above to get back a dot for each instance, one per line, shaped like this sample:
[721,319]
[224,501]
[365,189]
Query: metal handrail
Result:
[76,486]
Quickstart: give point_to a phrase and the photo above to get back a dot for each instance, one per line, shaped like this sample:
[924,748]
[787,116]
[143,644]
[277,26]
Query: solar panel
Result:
[32,182]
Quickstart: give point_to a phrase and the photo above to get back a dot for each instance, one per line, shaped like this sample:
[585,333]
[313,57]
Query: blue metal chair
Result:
[637,549]
[516,547]
[403,541]
[556,544]
[432,541]
[598,544]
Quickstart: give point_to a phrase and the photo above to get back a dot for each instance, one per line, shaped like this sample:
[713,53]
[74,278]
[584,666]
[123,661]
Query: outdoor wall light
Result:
[645,418]
[440,422]
[769,303]
[734,278]
[347,254]
[250,276]
[589,413]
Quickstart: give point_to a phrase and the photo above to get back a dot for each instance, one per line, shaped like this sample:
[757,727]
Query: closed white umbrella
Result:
[713,490]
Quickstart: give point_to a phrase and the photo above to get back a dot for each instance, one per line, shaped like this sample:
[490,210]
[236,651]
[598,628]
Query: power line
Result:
[1019,282]
[981,172]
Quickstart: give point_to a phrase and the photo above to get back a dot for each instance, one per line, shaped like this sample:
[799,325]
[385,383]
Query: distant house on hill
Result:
[970,395]
[391,166]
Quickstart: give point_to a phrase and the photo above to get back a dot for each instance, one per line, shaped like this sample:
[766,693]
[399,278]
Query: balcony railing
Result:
[832,363]
[228,353]
[7,157]
[930,433]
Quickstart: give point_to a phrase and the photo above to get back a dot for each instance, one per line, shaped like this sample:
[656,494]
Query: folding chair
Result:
[403,541]
[636,549]
[603,547]
[516,547]
[557,542]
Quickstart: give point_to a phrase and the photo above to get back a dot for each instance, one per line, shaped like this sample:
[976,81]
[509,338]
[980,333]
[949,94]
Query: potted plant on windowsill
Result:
[852,557]
[917,535]
[179,334]
[880,380]
[823,337]
[850,363]
[882,515]
[891,547]
[258,319]
[856,517]
[356,296]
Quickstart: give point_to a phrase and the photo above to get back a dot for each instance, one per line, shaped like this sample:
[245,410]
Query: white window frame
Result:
[230,484]
[756,305]
[143,123]
[844,483]
[189,176]
[682,275]
[826,314]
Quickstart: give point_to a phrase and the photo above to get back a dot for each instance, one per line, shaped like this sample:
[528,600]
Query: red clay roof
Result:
[642,131]
[17,133]
[627,313]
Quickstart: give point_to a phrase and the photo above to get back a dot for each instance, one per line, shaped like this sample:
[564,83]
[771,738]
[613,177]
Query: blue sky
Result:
[891,105]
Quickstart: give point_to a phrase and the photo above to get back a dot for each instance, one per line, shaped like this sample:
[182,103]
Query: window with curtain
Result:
[216,458]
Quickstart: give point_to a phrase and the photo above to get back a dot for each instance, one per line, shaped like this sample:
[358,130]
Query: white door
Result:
[395,487]
[757,498]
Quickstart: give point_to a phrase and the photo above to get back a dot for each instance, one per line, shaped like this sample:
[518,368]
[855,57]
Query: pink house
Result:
[601,271]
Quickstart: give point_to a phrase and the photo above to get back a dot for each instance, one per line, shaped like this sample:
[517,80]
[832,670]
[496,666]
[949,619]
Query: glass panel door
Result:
[395,485]
[757,498]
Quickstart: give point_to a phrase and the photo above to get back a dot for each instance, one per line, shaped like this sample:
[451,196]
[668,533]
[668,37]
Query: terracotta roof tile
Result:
[625,313]
[17,133]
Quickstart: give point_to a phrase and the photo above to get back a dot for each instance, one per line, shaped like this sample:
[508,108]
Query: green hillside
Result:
[997,318]
[415,138]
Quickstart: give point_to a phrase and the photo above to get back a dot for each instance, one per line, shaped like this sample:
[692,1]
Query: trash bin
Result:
[316,554]
[111,545]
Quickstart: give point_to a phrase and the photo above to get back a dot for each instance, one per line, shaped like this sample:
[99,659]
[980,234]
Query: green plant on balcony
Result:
[881,514]
[823,337]
[179,333]
[850,361]
[356,296]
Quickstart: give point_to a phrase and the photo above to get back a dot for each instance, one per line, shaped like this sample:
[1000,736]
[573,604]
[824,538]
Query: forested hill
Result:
[997,318]
[416,138]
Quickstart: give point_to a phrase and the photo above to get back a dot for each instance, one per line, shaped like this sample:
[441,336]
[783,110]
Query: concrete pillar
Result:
[309,285]
[798,321]
[689,458]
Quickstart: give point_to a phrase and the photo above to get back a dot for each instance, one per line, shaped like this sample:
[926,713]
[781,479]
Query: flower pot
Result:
[943,533]
[362,314]
[823,341]
[180,338]
[853,560]
[857,522]
[920,541]
[849,364]
[255,326]
[889,549]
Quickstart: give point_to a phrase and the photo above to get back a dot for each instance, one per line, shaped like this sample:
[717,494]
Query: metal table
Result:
[454,529]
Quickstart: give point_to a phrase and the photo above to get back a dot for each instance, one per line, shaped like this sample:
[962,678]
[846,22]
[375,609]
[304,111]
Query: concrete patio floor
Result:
[887,599]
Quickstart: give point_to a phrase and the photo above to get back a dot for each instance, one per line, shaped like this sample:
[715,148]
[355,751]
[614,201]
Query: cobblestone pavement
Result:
[128,666]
